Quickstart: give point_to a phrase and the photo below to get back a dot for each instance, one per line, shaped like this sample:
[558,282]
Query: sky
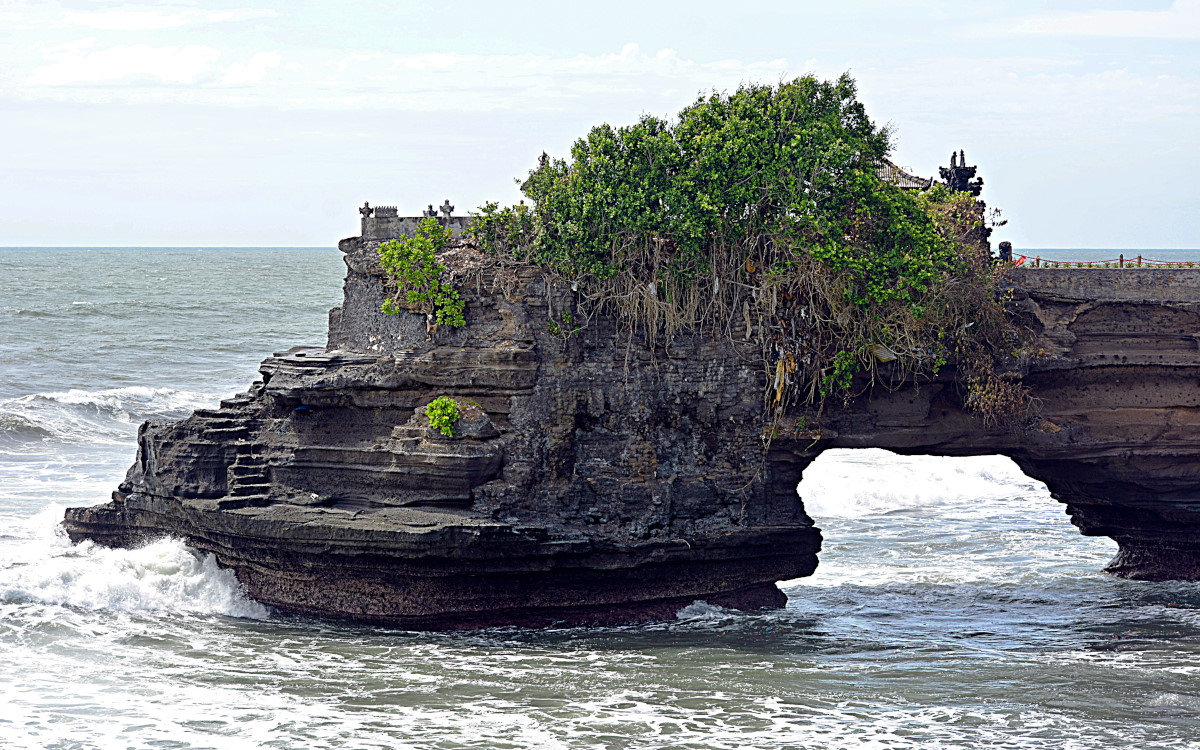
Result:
[268,123]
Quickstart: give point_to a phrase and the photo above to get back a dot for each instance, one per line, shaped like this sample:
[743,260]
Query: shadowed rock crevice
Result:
[599,480]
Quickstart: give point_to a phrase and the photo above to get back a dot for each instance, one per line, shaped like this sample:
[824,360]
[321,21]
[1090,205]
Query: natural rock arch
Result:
[609,480]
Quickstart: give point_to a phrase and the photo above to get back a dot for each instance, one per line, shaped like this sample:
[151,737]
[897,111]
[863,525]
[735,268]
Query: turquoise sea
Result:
[955,606]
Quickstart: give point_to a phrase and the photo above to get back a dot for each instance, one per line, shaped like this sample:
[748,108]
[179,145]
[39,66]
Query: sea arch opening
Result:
[889,517]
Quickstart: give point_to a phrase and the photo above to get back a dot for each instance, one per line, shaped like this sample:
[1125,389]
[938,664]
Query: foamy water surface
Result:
[954,606]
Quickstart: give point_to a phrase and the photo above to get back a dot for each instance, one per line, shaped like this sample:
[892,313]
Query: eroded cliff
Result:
[602,480]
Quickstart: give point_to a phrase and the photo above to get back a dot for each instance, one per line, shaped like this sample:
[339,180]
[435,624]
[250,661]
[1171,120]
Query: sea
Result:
[954,606]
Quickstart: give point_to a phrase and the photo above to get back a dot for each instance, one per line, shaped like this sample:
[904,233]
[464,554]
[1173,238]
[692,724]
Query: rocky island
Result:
[609,467]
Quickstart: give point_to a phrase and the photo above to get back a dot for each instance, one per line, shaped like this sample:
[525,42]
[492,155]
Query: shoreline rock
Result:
[603,481]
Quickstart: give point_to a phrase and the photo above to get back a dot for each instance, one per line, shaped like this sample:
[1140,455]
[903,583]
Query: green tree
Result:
[411,262]
[760,213]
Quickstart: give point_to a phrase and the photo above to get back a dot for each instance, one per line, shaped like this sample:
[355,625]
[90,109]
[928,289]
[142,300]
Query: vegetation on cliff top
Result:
[412,264]
[760,214]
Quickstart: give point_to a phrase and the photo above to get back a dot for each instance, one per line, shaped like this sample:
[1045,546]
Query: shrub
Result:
[760,215]
[411,262]
[998,398]
[443,414]
[505,231]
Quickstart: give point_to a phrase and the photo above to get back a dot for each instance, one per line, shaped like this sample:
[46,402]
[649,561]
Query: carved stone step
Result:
[243,490]
[225,433]
[243,501]
[243,471]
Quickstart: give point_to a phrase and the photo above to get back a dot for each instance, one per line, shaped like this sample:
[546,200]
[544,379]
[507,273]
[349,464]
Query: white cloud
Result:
[253,71]
[133,18]
[1042,99]
[437,81]
[84,64]
[1180,21]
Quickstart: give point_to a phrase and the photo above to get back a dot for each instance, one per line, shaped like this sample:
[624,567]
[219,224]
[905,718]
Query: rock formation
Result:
[596,479]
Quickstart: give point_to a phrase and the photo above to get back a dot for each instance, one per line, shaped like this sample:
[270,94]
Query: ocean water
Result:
[954,606]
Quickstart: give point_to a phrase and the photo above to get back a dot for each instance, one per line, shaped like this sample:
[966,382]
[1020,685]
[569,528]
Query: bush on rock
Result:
[443,414]
[760,215]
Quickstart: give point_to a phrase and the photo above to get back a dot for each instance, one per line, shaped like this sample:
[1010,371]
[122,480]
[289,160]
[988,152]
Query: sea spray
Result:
[161,576]
[846,483]
[903,521]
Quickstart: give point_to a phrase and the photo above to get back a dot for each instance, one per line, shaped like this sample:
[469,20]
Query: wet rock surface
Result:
[598,480]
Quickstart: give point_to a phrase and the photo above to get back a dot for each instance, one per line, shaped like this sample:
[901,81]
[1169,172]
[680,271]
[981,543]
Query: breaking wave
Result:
[163,576]
[847,483]
[86,416]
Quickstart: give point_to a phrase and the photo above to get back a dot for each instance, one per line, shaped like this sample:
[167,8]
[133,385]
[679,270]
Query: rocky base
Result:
[421,569]
[1155,563]
[599,479]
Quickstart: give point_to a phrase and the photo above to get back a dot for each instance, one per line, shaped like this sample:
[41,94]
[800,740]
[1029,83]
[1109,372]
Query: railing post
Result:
[1139,261]
[1121,262]
[1037,263]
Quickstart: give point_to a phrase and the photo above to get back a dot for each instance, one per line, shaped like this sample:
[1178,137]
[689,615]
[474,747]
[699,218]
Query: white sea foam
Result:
[856,483]
[702,611]
[163,576]
[84,416]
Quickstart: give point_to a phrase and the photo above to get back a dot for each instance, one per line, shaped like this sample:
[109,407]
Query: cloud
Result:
[436,81]
[1180,21]
[83,64]
[132,18]
[253,71]
[1037,100]
[1049,97]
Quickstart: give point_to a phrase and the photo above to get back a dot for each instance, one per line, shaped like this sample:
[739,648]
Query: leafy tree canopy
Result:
[761,212]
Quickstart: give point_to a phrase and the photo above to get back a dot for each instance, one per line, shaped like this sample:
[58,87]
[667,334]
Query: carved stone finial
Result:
[446,208]
[429,213]
[366,210]
[959,177]
[543,160]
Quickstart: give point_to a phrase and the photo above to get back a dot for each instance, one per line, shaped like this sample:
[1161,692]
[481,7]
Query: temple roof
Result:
[898,177]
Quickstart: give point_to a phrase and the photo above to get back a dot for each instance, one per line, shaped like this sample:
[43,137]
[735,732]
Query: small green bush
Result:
[443,415]
[412,263]
[506,231]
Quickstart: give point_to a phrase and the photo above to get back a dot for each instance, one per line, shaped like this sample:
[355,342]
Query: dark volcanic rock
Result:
[597,480]
[589,481]
[1117,391]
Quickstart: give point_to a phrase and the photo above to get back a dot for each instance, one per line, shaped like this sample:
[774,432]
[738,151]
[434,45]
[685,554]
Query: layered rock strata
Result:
[602,482]
[1117,389]
[599,479]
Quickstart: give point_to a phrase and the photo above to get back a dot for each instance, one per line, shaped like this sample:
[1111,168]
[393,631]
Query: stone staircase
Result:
[249,481]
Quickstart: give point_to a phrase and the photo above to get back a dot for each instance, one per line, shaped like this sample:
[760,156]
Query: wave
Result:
[851,483]
[85,416]
[162,576]
[21,427]
[28,312]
